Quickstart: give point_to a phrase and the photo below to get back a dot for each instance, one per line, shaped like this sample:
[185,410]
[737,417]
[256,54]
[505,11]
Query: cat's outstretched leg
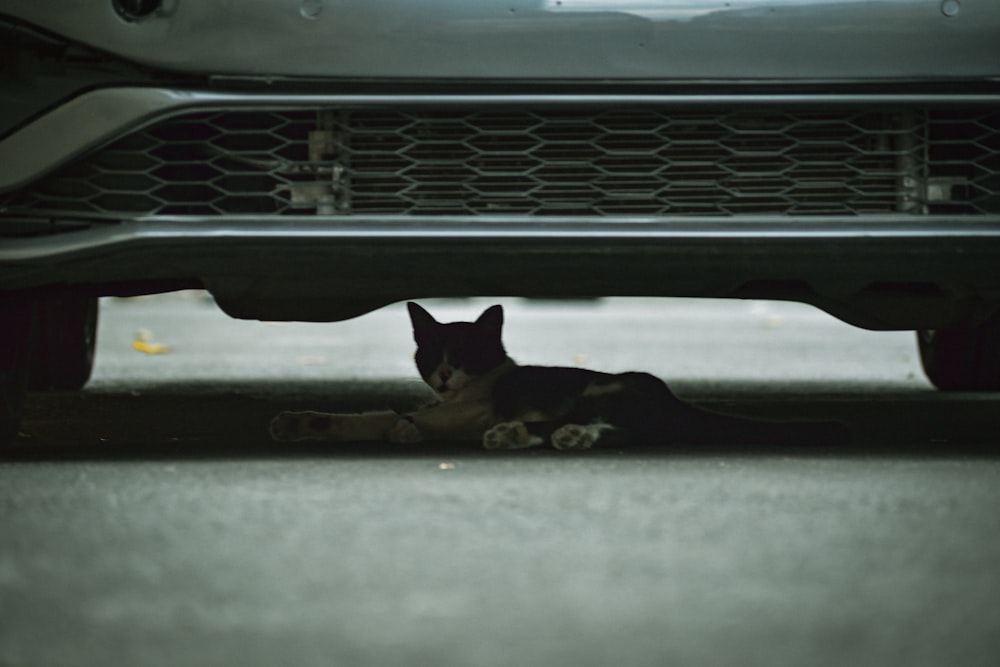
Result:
[510,435]
[293,426]
[404,431]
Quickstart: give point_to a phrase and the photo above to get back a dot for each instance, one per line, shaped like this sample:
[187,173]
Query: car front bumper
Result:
[314,160]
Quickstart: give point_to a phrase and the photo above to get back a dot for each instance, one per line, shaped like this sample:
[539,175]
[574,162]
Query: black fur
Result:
[638,407]
[486,396]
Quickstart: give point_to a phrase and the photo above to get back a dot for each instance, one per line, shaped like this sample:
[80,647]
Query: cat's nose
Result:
[444,374]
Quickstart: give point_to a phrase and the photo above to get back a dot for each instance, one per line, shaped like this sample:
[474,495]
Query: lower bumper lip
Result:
[253,265]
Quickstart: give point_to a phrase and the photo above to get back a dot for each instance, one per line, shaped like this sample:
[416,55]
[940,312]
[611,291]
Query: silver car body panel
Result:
[659,40]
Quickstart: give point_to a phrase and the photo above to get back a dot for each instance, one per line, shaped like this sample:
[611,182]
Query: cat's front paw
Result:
[293,426]
[510,435]
[405,432]
[575,436]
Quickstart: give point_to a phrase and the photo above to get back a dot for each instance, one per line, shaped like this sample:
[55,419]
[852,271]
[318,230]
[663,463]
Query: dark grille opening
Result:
[584,162]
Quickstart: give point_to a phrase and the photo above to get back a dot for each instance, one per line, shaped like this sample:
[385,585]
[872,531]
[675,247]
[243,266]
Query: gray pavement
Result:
[148,520]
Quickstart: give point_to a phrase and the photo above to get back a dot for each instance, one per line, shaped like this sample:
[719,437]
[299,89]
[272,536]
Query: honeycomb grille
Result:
[556,161]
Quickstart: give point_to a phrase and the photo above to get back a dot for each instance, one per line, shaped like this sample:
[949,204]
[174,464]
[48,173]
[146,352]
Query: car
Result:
[316,160]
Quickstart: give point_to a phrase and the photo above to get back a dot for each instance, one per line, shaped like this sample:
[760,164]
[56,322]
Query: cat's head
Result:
[450,356]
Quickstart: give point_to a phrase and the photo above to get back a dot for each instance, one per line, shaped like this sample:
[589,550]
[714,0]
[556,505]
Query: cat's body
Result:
[485,396]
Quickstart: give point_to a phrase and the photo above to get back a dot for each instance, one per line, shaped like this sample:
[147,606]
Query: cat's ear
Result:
[424,325]
[491,319]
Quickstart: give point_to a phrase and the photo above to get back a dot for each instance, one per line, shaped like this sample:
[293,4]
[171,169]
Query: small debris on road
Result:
[143,342]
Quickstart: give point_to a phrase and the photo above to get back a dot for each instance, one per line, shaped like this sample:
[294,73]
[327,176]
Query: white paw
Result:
[404,432]
[575,436]
[510,435]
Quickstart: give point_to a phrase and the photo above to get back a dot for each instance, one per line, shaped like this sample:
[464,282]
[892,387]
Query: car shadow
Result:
[222,420]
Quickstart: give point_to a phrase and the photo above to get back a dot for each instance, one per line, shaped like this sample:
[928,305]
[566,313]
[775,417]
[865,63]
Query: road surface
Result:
[149,520]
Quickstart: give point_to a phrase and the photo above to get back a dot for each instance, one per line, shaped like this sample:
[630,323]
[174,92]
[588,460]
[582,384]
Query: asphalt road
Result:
[148,519]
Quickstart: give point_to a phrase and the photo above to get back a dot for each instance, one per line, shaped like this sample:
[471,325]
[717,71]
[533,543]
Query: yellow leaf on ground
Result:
[144,343]
[150,348]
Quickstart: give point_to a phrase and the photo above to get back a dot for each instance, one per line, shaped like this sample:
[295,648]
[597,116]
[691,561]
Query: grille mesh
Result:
[587,162]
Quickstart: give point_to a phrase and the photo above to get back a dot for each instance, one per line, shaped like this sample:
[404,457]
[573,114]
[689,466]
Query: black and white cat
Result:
[485,396]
